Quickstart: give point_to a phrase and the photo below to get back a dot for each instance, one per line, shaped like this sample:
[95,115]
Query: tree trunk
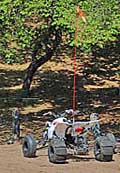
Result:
[31,71]
[37,63]
[29,76]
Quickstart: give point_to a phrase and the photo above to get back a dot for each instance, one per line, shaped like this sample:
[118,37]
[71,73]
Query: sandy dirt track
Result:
[12,161]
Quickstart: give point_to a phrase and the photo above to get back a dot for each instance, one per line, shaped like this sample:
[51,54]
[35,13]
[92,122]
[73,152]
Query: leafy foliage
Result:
[23,22]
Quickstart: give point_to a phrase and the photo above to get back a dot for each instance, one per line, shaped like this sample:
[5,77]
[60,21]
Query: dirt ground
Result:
[12,161]
[97,91]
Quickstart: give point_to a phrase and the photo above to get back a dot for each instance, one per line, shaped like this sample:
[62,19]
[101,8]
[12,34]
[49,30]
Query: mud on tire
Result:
[29,146]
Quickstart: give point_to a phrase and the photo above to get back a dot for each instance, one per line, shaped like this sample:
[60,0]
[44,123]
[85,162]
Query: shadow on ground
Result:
[53,90]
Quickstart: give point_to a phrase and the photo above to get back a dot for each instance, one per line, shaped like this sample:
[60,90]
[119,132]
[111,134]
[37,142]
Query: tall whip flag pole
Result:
[80,13]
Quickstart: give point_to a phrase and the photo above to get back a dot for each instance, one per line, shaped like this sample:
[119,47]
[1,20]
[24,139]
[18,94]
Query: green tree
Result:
[35,28]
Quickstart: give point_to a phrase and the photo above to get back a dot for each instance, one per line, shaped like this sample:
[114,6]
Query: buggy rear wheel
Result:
[51,154]
[102,153]
[57,151]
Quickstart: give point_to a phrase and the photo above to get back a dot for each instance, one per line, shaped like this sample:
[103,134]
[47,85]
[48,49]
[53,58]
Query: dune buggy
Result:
[63,134]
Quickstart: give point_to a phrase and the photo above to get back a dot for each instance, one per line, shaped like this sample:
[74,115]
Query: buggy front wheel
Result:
[29,146]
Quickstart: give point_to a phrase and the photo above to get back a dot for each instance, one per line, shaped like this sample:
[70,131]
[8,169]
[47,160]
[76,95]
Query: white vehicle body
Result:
[59,126]
[63,134]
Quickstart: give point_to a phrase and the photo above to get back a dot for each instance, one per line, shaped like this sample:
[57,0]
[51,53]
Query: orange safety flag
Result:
[82,15]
